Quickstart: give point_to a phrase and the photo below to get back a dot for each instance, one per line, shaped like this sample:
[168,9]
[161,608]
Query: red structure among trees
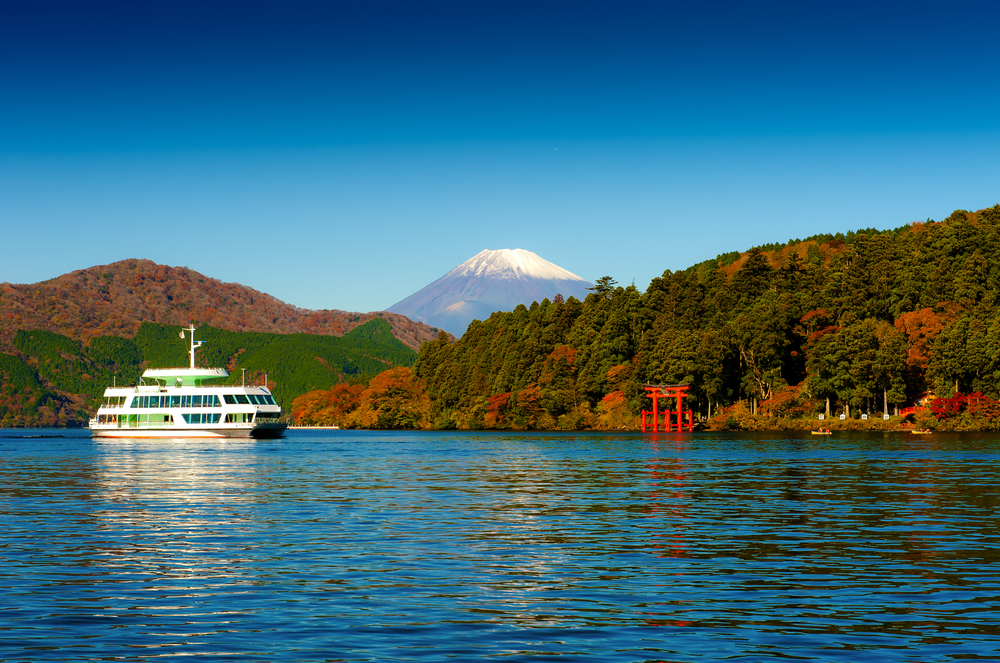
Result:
[658,391]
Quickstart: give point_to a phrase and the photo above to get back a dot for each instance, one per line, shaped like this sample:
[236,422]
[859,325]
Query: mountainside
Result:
[853,326]
[53,380]
[489,281]
[112,300]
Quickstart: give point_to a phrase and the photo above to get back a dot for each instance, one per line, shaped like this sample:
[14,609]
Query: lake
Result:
[401,546]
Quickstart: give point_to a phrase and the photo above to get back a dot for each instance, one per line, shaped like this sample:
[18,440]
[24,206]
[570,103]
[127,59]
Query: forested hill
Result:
[855,320]
[54,380]
[113,300]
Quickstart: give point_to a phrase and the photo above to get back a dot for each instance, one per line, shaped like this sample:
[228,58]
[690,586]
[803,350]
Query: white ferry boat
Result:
[177,403]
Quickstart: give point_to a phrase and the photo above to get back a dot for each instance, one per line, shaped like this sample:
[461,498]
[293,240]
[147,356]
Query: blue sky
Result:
[345,154]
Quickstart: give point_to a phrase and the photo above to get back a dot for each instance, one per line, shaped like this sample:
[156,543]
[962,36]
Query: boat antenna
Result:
[194,346]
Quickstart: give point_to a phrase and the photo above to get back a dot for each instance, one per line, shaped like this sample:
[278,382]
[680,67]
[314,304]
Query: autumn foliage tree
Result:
[394,399]
[330,407]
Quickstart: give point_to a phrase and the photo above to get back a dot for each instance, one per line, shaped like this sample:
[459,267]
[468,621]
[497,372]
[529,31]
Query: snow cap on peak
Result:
[490,281]
[513,263]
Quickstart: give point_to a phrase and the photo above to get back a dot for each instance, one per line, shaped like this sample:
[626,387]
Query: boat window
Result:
[255,399]
[199,418]
[212,401]
[135,402]
[196,400]
[230,399]
[270,400]
[175,401]
[242,399]
[154,401]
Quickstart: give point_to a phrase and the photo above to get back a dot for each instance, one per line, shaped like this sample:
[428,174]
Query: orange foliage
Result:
[527,405]
[783,401]
[395,398]
[330,407]
[921,328]
[614,399]
[496,407]
[613,413]
[617,375]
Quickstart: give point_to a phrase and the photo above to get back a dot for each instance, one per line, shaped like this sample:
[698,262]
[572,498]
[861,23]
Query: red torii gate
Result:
[678,391]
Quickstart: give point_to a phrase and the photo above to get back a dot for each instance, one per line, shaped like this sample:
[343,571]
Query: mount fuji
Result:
[489,281]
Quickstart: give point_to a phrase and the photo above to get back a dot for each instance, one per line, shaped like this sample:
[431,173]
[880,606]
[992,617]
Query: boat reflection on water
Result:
[174,513]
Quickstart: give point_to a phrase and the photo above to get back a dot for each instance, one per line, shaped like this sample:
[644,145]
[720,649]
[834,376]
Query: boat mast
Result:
[194,346]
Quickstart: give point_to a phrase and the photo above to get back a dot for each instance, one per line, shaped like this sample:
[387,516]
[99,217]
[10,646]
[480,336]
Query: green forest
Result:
[54,380]
[861,323]
[857,325]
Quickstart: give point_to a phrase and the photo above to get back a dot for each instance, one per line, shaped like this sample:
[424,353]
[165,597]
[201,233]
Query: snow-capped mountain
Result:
[489,281]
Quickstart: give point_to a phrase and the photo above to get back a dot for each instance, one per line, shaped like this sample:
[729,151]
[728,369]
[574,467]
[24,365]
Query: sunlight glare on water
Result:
[371,546]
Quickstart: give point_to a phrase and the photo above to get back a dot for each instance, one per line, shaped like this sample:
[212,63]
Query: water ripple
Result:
[362,546]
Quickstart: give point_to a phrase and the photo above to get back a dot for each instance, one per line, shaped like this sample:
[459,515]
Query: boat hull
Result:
[259,431]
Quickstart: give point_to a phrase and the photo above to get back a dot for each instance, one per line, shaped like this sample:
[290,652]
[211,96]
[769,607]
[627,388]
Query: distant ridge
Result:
[490,281]
[112,300]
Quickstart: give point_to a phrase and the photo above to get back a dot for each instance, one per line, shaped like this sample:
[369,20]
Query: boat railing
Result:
[155,387]
[168,424]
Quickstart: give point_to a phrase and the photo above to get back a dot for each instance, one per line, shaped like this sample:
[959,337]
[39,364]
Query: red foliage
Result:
[975,404]
[816,324]
[614,399]
[495,408]
[946,408]
[980,406]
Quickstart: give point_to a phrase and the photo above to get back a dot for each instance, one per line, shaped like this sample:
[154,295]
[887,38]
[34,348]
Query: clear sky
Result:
[346,154]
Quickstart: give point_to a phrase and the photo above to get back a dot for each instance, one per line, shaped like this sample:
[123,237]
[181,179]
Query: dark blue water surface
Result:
[368,546]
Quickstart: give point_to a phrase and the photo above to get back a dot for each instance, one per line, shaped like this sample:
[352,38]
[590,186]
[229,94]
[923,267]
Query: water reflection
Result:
[668,497]
[368,546]
[172,511]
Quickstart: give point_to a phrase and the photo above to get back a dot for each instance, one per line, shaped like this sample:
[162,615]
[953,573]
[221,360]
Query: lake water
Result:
[370,546]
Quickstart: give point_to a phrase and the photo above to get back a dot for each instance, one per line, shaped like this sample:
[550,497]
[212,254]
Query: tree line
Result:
[861,323]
